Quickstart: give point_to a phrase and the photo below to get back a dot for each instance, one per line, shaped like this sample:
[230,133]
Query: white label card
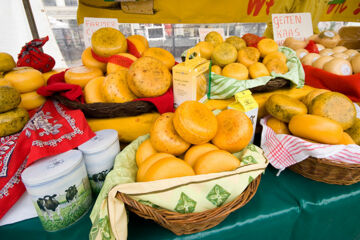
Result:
[93,24]
[296,25]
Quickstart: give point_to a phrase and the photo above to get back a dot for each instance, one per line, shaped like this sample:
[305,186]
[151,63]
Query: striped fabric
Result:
[223,87]
[284,150]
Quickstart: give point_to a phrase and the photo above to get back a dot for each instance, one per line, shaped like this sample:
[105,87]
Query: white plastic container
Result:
[59,188]
[99,154]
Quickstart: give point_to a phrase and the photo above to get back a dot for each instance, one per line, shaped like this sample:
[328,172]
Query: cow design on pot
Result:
[71,193]
[49,205]
[97,180]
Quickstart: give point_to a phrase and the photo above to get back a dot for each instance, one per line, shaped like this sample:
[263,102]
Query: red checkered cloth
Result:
[284,150]
[52,130]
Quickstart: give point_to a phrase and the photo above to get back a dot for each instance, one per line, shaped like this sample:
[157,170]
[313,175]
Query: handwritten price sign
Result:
[296,25]
[93,24]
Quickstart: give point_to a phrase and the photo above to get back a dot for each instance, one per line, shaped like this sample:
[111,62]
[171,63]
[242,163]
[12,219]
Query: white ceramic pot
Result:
[99,154]
[59,188]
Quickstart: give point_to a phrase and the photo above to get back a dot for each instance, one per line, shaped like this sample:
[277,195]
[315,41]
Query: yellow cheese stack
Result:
[25,79]
[114,68]
[31,100]
[89,61]
[81,75]
[106,42]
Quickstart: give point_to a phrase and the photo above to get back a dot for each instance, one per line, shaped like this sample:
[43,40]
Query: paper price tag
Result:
[296,25]
[93,24]
[204,31]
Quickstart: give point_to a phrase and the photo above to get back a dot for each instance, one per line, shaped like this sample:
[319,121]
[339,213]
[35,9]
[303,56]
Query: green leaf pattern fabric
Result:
[185,204]
[218,195]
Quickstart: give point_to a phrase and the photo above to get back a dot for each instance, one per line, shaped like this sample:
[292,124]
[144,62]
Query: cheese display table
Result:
[285,207]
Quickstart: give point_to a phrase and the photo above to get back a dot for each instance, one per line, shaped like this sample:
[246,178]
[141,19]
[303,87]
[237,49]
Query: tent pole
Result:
[30,18]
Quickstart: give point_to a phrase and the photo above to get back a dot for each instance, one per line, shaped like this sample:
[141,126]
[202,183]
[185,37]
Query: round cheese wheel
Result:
[300,53]
[258,69]
[93,92]
[320,62]
[338,66]
[355,63]
[25,79]
[339,49]
[276,55]
[267,46]
[340,55]
[326,52]
[198,150]
[168,168]
[351,52]
[310,58]
[31,100]
[47,75]
[236,70]
[234,132]
[194,122]
[116,89]
[248,56]
[81,75]
[148,77]
[147,163]
[164,138]
[216,161]
[141,38]
[144,151]
[106,42]
[125,61]
[276,65]
[89,61]
[161,54]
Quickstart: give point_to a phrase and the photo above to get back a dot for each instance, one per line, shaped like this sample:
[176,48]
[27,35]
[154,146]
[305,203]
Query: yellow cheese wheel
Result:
[25,79]
[106,42]
[144,151]
[141,38]
[81,75]
[258,70]
[346,139]
[206,49]
[128,128]
[335,106]
[148,77]
[31,100]
[194,122]
[236,70]
[164,138]
[161,54]
[267,46]
[116,89]
[114,68]
[138,46]
[307,99]
[47,75]
[234,130]
[354,131]
[145,165]
[317,128]
[216,161]
[248,56]
[198,150]
[93,92]
[320,62]
[276,65]
[277,126]
[89,61]
[276,55]
[4,82]
[216,69]
[168,168]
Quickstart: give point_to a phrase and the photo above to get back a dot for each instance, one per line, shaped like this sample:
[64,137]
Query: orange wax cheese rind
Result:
[267,46]
[194,122]
[141,38]
[89,61]
[116,89]
[120,62]
[164,138]
[234,130]
[145,165]
[106,42]
[92,90]
[216,161]
[162,55]
[81,75]
[168,168]
[25,79]
[198,150]
[31,100]
[144,151]
[277,126]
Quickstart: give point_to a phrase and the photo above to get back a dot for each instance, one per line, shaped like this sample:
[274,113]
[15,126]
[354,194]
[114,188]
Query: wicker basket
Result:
[272,85]
[108,110]
[191,222]
[328,171]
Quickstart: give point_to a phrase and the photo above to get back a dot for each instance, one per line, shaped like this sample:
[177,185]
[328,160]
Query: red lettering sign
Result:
[256,6]
[339,7]
[357,11]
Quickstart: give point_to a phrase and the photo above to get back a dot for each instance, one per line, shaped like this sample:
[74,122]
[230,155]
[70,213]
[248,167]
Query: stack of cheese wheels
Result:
[180,143]
[27,80]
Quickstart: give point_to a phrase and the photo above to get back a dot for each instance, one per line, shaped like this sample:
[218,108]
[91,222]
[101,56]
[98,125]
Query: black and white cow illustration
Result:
[71,193]
[49,205]
[100,177]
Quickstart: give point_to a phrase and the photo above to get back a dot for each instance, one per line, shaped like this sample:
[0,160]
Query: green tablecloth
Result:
[285,207]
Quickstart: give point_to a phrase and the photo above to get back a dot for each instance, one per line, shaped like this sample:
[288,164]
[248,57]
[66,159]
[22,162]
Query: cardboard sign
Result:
[296,25]
[93,24]
[204,31]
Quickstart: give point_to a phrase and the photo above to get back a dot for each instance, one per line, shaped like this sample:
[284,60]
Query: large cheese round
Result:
[338,66]
[25,79]
[355,63]
[196,151]
[234,130]
[267,46]
[148,77]
[81,75]
[161,54]
[31,100]
[309,58]
[123,62]
[147,163]
[194,122]
[144,151]
[116,89]
[92,90]
[89,61]
[236,70]
[216,161]
[320,62]
[106,42]
[164,138]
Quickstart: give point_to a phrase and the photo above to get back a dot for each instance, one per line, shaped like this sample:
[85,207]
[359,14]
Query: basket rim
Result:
[334,163]
[254,184]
